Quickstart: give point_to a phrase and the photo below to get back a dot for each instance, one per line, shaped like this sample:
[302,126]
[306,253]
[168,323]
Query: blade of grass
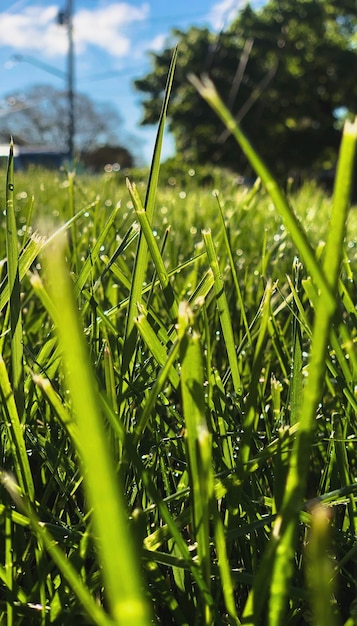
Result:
[285,528]
[296,381]
[223,311]
[60,409]
[9,568]
[141,258]
[320,570]
[225,568]
[120,566]
[92,258]
[155,347]
[208,91]
[198,441]
[234,273]
[17,373]
[15,433]
[251,403]
[160,380]
[154,252]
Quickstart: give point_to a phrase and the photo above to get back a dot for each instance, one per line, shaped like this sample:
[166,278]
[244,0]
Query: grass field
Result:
[178,399]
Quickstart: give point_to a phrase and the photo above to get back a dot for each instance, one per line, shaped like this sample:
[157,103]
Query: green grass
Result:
[177,377]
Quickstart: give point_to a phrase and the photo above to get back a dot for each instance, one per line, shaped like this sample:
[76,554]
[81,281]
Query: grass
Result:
[177,376]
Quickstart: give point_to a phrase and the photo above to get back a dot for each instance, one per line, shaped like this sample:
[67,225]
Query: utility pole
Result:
[66,18]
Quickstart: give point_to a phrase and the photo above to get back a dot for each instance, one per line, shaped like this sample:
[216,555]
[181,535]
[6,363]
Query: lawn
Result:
[178,415]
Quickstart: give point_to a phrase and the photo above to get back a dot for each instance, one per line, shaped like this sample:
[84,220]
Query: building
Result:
[26,156]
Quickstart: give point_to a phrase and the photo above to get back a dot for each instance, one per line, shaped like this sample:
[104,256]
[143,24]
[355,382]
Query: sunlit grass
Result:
[181,399]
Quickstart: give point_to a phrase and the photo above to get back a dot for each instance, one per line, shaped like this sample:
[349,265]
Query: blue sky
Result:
[111,44]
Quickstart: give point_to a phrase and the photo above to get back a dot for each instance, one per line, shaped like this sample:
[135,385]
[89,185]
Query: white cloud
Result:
[157,44]
[105,27]
[224,12]
[35,29]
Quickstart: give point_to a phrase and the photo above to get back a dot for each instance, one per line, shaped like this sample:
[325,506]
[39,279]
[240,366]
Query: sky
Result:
[111,43]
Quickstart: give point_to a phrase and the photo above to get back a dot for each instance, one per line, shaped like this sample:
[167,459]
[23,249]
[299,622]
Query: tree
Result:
[97,159]
[39,116]
[287,71]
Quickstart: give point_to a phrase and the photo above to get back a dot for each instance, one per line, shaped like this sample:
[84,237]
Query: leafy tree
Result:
[286,70]
[97,159]
[39,116]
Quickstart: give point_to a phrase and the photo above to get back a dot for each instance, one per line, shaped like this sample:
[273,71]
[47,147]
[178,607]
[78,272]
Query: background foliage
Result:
[286,70]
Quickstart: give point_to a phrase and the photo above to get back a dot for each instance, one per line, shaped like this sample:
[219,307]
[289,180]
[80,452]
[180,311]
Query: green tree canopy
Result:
[286,70]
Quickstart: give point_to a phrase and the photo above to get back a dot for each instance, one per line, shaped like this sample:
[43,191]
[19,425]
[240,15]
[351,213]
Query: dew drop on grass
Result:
[22,195]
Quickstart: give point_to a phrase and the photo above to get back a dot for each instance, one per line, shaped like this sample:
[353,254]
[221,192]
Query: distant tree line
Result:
[286,70]
[38,116]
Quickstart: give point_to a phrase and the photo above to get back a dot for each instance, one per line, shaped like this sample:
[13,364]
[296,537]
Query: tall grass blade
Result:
[17,373]
[286,524]
[63,414]
[198,440]
[15,434]
[234,273]
[225,569]
[208,91]
[223,310]
[121,576]
[155,347]
[94,254]
[141,258]
[296,382]
[9,567]
[320,570]
[167,370]
[250,418]
[154,252]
